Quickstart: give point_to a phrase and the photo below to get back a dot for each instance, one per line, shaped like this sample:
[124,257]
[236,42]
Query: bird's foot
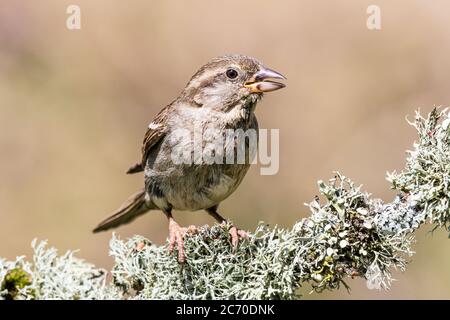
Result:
[235,235]
[176,235]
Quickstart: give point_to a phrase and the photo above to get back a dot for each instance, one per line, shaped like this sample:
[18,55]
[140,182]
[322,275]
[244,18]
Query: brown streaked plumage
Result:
[221,95]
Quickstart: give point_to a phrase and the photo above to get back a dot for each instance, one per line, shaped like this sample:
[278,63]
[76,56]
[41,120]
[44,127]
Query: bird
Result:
[221,96]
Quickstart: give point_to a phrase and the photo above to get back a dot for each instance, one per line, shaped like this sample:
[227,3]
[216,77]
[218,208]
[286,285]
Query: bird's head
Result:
[230,80]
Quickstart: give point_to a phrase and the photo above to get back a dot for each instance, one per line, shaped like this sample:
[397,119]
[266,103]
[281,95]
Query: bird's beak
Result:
[261,81]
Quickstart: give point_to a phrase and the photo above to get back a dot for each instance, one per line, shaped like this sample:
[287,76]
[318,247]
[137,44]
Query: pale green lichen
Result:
[425,181]
[50,276]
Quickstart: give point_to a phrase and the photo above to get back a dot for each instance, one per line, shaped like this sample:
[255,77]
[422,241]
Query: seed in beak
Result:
[260,82]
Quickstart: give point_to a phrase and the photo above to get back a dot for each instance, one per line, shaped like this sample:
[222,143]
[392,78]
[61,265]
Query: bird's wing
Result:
[155,132]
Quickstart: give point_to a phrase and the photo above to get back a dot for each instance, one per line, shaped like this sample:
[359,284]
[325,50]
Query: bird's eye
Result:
[231,73]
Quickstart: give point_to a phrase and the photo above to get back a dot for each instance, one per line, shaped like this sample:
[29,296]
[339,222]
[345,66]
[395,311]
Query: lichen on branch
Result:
[348,234]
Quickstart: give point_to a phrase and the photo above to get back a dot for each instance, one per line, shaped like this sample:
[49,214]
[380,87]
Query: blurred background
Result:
[74,106]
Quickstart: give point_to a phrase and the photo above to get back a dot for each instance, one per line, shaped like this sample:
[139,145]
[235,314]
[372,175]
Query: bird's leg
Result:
[176,234]
[234,232]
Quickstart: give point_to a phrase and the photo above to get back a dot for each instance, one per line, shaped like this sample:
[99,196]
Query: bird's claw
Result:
[235,234]
[176,235]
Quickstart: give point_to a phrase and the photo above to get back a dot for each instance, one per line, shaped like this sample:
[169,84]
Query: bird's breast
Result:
[191,170]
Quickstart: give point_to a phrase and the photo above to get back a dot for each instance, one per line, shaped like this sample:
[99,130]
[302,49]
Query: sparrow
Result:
[221,96]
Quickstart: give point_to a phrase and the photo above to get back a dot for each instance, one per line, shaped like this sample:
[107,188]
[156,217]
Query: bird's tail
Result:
[130,210]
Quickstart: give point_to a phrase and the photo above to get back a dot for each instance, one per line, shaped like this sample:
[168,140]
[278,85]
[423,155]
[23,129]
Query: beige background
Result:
[74,106]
